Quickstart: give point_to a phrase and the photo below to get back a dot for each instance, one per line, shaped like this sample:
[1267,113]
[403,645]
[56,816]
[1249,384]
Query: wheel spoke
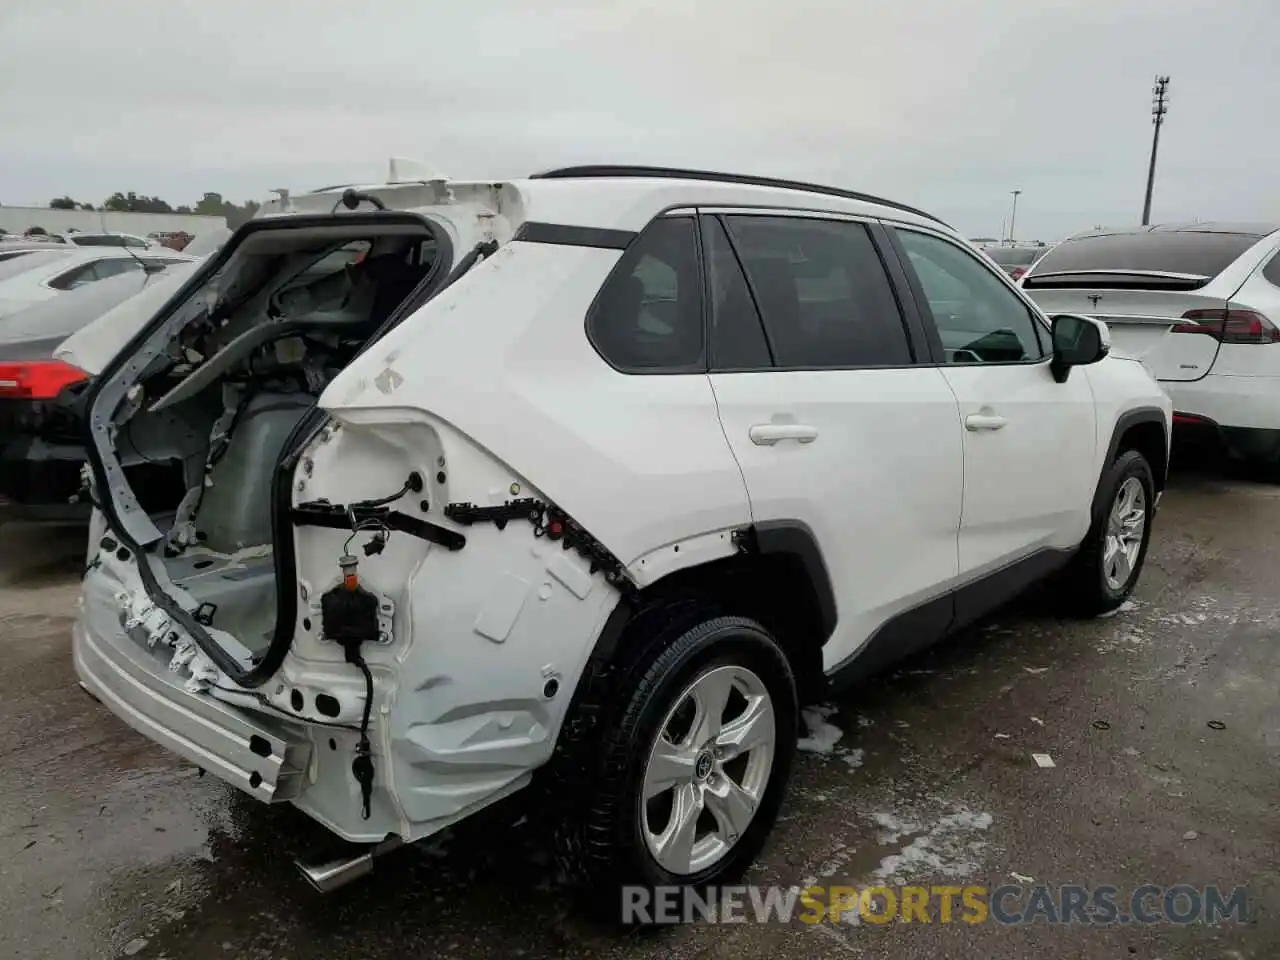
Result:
[669,766]
[752,728]
[732,807]
[1122,568]
[674,848]
[710,697]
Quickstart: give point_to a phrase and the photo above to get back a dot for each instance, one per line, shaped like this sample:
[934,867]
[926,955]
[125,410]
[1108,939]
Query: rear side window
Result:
[737,335]
[1199,254]
[648,315]
[822,291]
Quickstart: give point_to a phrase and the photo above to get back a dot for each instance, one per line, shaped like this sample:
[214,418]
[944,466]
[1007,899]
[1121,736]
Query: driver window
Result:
[979,319]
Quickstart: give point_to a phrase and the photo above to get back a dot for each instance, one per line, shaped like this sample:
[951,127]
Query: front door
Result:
[833,422]
[1029,441]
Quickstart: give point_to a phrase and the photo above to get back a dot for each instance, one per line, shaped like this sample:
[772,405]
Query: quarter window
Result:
[822,291]
[979,319]
[648,315]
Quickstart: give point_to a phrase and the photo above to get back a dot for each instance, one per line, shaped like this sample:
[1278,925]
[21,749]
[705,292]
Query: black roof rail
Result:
[675,173]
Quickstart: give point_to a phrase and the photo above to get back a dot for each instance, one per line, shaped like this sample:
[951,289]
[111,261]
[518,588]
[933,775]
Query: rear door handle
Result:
[767,434]
[984,421]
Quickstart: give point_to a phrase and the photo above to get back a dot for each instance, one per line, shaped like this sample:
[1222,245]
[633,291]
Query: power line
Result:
[1159,107]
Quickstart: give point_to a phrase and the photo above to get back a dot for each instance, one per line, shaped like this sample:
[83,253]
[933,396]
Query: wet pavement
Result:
[1163,724]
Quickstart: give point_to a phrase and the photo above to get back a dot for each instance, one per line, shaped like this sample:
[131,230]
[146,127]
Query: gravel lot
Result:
[111,847]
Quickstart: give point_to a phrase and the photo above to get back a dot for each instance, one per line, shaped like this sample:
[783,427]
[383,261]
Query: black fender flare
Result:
[792,538]
[795,538]
[1126,421]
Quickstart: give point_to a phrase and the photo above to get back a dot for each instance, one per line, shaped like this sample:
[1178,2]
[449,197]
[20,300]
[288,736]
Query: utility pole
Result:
[1013,216]
[1159,107]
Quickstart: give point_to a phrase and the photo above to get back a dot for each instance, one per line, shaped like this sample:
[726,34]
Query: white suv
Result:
[592,477]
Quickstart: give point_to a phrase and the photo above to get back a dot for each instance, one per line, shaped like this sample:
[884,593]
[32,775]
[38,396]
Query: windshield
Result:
[1201,254]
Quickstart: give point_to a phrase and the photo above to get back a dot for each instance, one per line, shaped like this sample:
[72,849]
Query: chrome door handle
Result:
[984,421]
[767,434]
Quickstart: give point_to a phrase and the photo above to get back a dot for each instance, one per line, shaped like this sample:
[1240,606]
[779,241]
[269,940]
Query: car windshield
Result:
[1199,254]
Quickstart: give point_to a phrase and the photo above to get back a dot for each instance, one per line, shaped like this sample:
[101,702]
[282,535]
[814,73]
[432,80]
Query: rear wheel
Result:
[1111,557]
[683,784]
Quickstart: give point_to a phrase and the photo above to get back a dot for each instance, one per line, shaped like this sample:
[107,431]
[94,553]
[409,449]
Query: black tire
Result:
[599,840]
[1086,590]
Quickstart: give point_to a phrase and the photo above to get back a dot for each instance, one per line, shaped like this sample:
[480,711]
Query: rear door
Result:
[1152,288]
[835,425]
[1029,441]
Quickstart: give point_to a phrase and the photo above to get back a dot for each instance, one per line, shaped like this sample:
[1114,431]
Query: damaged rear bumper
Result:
[264,759]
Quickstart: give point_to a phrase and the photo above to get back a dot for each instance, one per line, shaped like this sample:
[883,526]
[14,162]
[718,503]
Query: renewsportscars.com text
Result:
[1009,905]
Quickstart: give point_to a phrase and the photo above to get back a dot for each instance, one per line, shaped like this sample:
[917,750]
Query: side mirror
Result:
[1077,341]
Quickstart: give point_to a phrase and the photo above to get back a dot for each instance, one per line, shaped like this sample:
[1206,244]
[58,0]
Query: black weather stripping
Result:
[336,516]
[602,171]
[554,524]
[531,231]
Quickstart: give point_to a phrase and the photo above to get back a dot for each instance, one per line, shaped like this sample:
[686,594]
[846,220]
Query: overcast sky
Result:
[946,104]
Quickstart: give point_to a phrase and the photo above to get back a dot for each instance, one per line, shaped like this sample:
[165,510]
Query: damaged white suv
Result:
[417,494]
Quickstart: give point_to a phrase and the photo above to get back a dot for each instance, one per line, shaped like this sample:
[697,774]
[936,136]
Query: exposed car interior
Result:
[247,354]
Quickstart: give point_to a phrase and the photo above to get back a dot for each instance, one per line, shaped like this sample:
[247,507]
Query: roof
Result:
[613,197]
[1257,229]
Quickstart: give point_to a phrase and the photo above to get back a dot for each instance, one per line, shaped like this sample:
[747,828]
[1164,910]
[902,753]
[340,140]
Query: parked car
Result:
[1199,304]
[45,273]
[41,430]
[586,480]
[1015,261]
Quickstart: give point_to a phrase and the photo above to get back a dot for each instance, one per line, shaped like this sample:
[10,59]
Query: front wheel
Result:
[687,780]
[1111,557]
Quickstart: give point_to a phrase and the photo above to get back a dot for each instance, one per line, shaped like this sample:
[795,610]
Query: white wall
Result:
[17,219]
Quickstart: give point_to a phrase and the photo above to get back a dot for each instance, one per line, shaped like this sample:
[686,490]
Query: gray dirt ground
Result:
[110,847]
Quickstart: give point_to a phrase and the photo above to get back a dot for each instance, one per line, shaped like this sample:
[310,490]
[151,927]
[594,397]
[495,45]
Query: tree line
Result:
[211,205]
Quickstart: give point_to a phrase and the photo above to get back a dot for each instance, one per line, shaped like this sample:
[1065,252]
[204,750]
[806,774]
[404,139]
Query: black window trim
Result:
[913,329]
[709,303]
[1041,326]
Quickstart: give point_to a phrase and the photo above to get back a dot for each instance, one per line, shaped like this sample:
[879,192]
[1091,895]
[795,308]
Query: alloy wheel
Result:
[708,769]
[1126,525]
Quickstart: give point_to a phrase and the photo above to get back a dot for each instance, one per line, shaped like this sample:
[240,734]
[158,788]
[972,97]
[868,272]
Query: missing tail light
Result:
[1229,326]
[37,379]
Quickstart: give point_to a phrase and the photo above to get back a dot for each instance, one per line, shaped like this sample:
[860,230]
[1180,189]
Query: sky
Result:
[942,104]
